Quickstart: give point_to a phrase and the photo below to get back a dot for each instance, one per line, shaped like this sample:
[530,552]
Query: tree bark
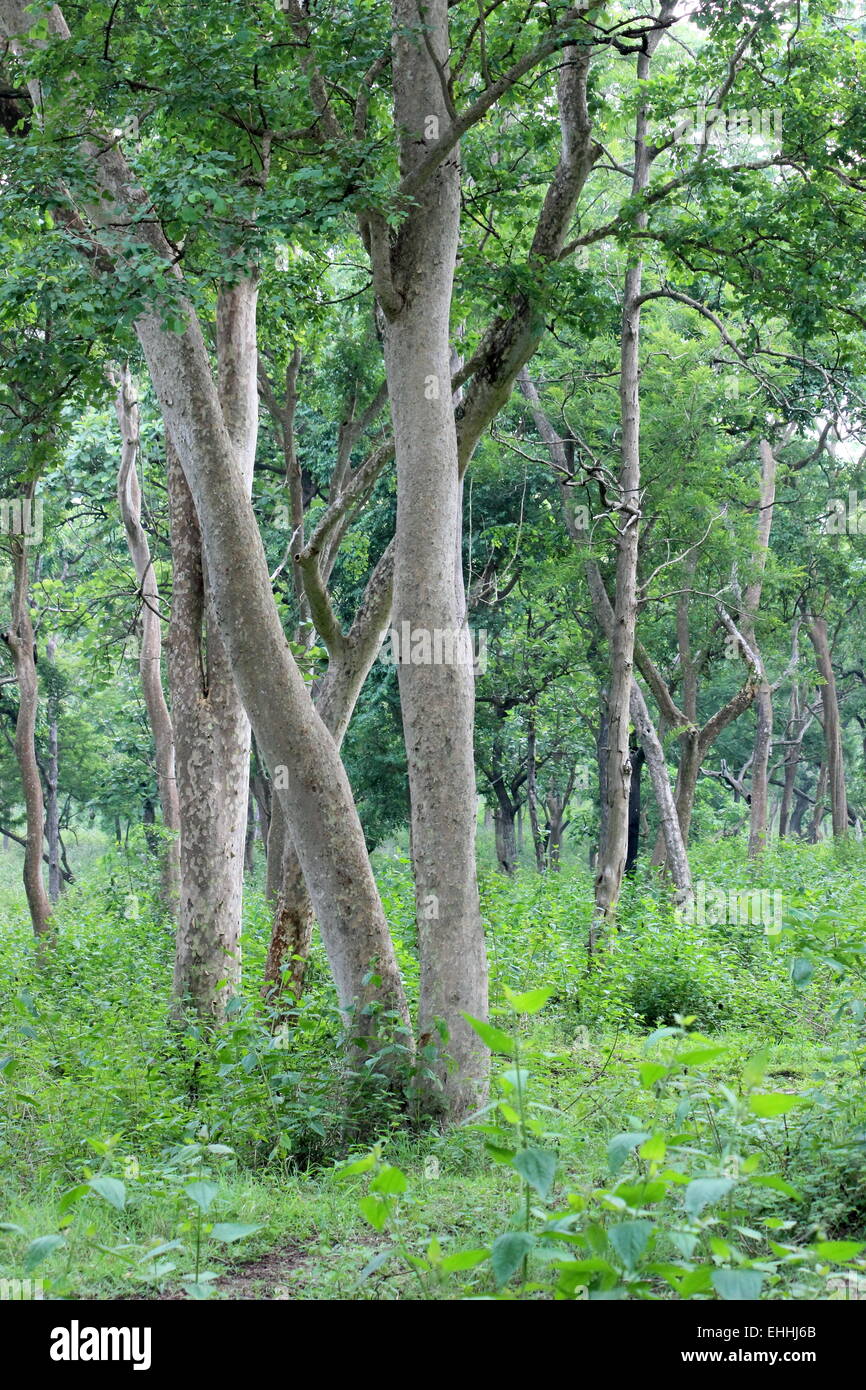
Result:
[835,761]
[150,650]
[532,794]
[763,695]
[52,788]
[638,757]
[813,834]
[20,641]
[319,806]
[414,279]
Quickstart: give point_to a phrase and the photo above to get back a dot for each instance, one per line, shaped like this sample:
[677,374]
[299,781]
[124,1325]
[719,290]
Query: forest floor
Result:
[146,1163]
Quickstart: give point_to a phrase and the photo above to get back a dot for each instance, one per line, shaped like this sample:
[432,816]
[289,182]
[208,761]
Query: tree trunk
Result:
[759,805]
[211,735]
[506,840]
[414,284]
[532,795]
[799,812]
[351,656]
[835,762]
[150,652]
[612,855]
[638,758]
[319,806]
[20,641]
[52,789]
[813,835]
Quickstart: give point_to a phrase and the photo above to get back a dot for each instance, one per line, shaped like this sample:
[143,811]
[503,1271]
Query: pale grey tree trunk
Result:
[350,657]
[150,649]
[835,759]
[760,790]
[414,278]
[52,788]
[319,806]
[20,641]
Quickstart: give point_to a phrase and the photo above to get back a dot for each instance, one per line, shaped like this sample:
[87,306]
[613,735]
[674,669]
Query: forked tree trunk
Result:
[212,730]
[150,651]
[351,657]
[318,799]
[20,641]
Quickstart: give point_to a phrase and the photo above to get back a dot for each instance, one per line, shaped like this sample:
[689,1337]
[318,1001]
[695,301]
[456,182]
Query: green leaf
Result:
[702,1192]
[388,1181]
[374,1264]
[528,1003]
[699,1055]
[509,1252]
[621,1145]
[39,1250]
[777,1184]
[650,1073]
[838,1251]
[654,1149]
[202,1193]
[738,1284]
[73,1195]
[464,1259]
[779,1103]
[802,971]
[629,1239]
[495,1038]
[360,1165]
[112,1189]
[538,1168]
[753,1071]
[376,1210]
[229,1231]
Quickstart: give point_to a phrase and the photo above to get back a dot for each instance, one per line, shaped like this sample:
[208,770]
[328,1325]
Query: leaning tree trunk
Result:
[413,278]
[19,639]
[351,657]
[150,653]
[832,728]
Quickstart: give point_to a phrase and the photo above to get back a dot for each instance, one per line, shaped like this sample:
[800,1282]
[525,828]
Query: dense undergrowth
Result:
[724,1157]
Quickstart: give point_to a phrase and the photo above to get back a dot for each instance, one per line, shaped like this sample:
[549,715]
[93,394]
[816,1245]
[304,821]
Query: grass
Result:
[96,1086]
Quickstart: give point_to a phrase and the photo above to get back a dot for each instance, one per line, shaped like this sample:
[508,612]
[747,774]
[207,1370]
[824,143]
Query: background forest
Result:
[432,693]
